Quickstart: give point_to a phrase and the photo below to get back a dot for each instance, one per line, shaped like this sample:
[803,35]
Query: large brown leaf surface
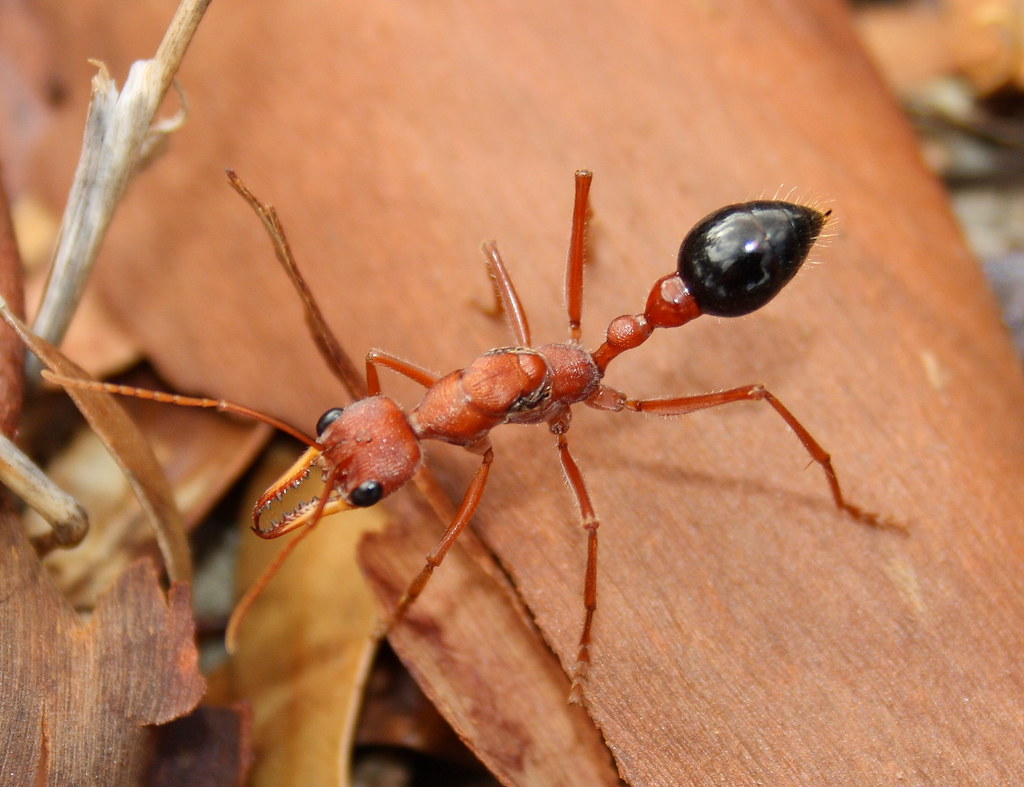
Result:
[745,630]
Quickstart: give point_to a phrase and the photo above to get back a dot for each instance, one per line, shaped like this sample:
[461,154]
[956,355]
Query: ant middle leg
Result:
[682,405]
[507,298]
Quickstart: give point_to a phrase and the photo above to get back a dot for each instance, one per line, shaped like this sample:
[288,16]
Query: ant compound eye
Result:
[327,419]
[738,258]
[366,494]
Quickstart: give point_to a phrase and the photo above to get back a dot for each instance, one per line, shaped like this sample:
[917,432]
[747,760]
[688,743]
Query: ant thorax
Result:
[508,385]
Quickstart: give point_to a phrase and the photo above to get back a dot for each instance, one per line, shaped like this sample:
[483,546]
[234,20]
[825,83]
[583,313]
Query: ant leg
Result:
[327,343]
[590,523]
[688,404]
[468,507]
[577,254]
[508,298]
[222,405]
[375,358]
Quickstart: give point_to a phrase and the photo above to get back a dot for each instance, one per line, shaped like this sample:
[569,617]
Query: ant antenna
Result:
[221,405]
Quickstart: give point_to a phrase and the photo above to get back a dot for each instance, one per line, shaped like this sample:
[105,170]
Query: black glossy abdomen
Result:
[739,257]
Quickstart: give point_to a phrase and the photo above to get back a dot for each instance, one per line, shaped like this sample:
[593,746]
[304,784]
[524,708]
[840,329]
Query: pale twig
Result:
[63,513]
[119,133]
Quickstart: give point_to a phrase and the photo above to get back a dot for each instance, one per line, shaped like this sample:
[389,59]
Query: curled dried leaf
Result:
[128,447]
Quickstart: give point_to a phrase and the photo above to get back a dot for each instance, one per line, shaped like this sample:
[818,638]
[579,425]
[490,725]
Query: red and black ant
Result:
[731,263]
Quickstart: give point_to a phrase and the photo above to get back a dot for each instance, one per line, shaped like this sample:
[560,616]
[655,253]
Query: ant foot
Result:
[382,628]
[580,673]
[874,520]
[576,691]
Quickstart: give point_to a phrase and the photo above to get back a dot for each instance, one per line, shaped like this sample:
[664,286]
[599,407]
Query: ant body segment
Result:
[731,263]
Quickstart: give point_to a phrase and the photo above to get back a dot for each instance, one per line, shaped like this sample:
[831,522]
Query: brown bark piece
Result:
[78,697]
[744,630]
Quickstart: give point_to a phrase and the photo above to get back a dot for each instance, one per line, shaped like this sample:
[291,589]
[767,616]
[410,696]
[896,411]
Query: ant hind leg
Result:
[590,523]
[687,404]
[577,254]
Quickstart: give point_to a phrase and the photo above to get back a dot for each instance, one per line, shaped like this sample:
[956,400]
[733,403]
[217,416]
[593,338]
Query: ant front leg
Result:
[470,501]
[590,524]
[376,358]
[609,399]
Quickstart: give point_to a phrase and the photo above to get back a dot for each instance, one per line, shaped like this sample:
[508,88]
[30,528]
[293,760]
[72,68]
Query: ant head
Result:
[365,451]
[370,448]
[738,258]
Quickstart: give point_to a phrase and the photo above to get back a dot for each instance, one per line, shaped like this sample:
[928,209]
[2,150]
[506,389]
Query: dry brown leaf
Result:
[396,715]
[202,454]
[516,719]
[96,342]
[744,631]
[306,646]
[128,448]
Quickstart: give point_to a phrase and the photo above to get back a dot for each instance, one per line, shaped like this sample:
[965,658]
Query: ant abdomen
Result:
[739,257]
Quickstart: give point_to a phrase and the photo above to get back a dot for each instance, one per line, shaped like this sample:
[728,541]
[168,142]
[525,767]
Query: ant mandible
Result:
[731,263]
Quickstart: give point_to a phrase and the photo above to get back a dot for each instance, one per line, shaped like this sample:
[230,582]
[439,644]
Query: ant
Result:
[731,263]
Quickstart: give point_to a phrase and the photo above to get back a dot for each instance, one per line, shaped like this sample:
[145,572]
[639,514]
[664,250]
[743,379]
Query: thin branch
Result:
[119,130]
